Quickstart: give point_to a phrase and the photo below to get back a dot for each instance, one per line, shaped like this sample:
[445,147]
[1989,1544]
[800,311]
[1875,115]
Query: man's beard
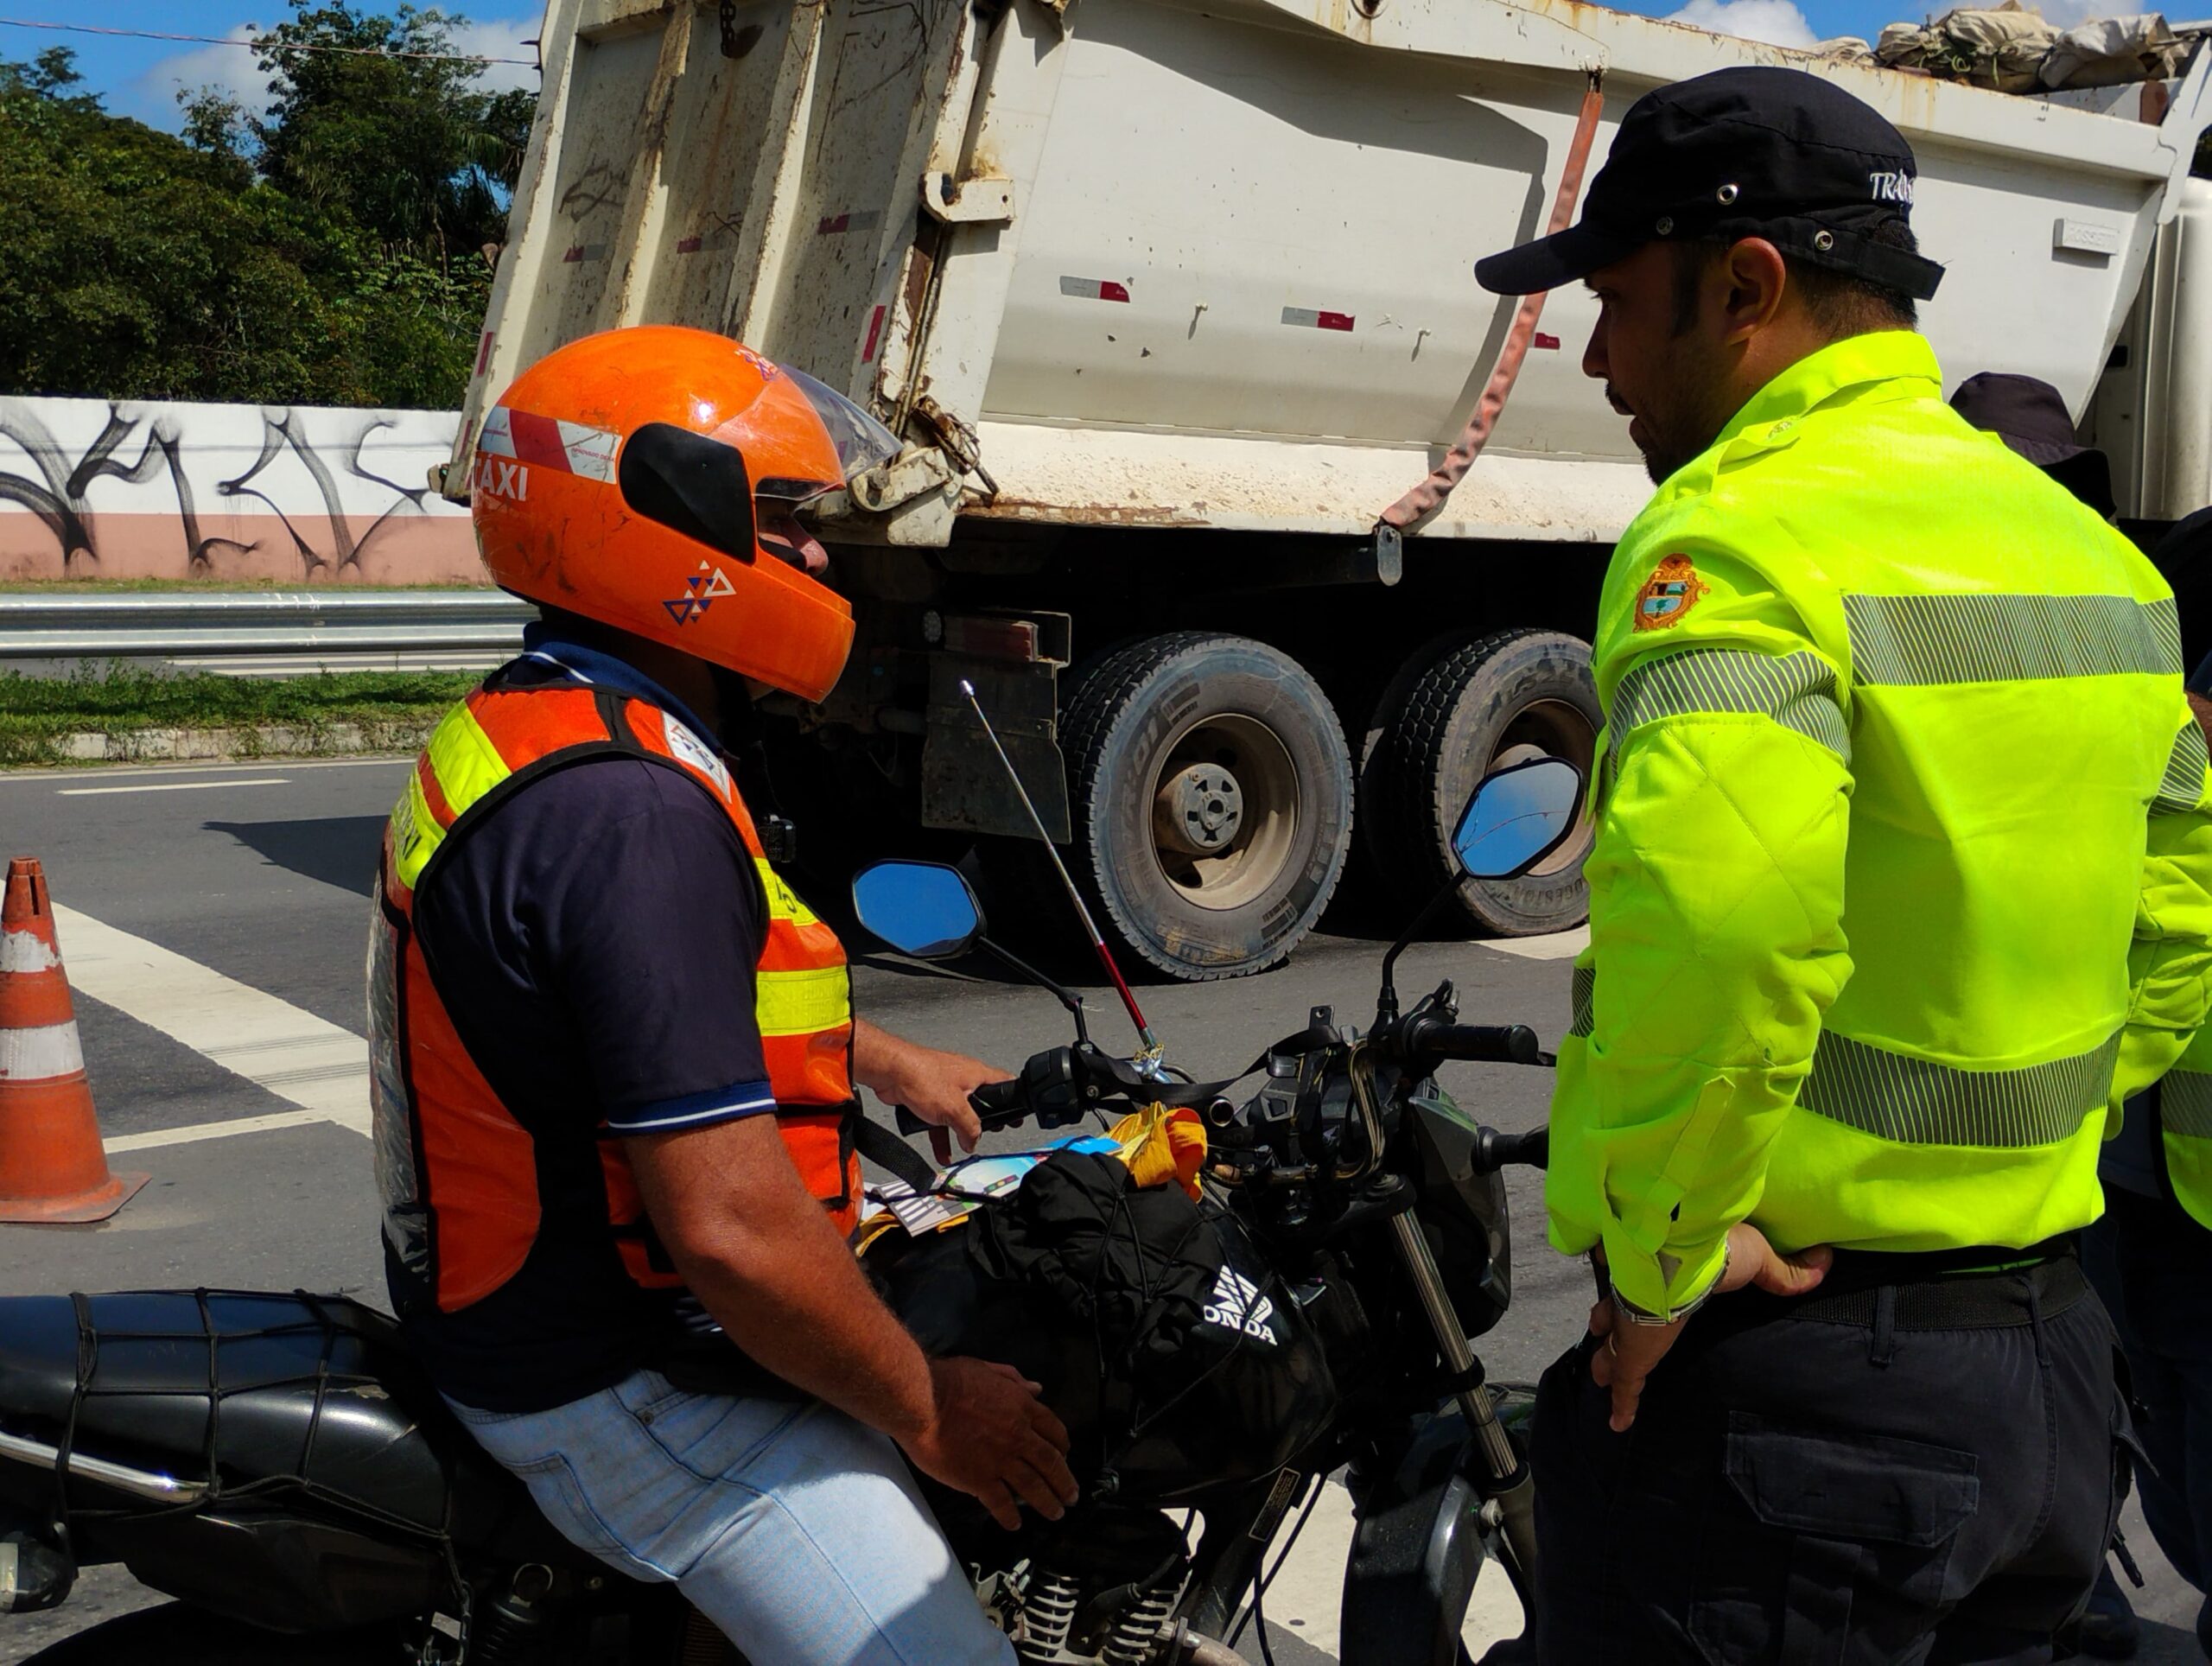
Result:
[1689,429]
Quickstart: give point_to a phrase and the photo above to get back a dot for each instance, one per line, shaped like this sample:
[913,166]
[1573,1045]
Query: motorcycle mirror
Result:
[920,908]
[1518,817]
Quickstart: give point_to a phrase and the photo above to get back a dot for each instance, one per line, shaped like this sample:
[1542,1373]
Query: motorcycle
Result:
[279,1463]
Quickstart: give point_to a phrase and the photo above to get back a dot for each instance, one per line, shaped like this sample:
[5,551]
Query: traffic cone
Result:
[52,1169]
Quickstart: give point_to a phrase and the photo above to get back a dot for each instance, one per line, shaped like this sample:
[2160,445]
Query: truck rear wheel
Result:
[1500,699]
[1212,800]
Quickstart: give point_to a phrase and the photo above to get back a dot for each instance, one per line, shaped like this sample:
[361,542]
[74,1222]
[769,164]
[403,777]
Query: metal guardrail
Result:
[158,624]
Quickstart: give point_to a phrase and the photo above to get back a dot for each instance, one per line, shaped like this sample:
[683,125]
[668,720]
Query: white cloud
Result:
[502,37]
[238,73]
[231,69]
[1777,22]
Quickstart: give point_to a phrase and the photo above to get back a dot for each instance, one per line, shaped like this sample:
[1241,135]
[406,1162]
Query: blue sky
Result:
[141,78]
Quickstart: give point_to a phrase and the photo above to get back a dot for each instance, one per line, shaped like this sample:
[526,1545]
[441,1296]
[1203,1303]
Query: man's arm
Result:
[2170,965]
[1716,931]
[759,1251]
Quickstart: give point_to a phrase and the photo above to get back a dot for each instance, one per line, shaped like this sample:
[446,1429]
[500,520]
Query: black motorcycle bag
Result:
[1178,1360]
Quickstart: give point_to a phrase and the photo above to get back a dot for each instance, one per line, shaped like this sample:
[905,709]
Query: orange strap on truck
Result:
[1424,498]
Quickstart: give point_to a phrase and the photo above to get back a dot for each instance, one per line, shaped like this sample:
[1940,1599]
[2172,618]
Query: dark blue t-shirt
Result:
[595,938]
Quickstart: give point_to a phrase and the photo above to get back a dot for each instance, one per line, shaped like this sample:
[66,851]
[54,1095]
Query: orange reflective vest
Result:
[454,1166]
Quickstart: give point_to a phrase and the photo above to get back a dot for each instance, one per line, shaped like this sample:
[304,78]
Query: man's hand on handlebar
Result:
[934,1086]
[992,1437]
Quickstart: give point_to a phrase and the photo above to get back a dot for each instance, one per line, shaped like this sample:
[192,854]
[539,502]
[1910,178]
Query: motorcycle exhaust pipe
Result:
[139,1483]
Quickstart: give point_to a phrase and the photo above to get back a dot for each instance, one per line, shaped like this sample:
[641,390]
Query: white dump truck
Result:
[1171,303]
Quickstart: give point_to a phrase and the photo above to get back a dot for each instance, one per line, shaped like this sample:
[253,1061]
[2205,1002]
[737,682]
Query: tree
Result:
[330,252]
[417,155]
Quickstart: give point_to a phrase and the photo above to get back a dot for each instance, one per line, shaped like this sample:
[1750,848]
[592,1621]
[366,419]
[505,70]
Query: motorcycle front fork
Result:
[1508,1487]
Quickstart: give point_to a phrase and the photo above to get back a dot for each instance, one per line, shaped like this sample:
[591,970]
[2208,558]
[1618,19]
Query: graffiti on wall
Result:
[91,489]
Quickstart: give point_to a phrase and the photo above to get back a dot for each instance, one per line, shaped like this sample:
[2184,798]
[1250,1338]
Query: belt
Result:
[1940,1301]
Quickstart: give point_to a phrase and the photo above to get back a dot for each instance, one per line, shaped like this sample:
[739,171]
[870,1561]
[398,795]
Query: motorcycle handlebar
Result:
[1482,1044]
[1496,1150]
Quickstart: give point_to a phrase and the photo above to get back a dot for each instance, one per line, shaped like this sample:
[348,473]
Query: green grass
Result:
[37,714]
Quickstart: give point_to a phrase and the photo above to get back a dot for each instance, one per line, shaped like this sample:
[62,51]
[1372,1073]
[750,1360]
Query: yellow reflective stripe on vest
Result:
[1916,640]
[2181,788]
[802,1003]
[2185,1104]
[1918,1102]
[467,766]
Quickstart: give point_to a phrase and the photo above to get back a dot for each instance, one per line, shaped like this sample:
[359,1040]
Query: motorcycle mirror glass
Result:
[920,908]
[1517,818]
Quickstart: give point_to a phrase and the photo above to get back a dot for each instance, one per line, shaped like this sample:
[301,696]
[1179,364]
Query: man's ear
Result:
[1756,278]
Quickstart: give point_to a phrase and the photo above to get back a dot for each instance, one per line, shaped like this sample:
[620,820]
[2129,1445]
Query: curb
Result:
[178,745]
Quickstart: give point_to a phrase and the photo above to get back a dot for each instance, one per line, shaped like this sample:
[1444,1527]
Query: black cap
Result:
[2030,416]
[1751,152]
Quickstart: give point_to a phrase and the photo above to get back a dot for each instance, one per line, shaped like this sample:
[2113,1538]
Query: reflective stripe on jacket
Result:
[1903,863]
[454,1166]
[2184,1113]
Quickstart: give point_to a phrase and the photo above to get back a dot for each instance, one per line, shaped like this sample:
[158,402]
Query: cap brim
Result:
[1563,258]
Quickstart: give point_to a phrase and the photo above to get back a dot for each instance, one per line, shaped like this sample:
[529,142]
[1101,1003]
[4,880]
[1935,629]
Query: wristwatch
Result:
[1633,1315]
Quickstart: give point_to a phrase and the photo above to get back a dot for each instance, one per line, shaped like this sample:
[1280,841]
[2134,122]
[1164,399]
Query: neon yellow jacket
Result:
[1904,865]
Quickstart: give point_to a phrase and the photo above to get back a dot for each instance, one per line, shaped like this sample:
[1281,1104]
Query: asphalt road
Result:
[258,875]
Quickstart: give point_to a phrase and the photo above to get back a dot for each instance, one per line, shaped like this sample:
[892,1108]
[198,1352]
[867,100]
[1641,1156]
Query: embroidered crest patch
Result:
[1671,591]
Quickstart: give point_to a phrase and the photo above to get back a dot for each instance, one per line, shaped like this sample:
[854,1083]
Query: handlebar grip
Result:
[1532,1148]
[1484,1044]
[999,1102]
[908,1123]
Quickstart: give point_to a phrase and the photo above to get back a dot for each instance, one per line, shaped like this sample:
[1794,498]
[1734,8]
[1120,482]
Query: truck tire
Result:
[1211,800]
[1499,699]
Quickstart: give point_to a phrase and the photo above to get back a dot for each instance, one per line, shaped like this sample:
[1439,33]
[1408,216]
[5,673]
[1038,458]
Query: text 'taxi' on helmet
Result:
[616,479]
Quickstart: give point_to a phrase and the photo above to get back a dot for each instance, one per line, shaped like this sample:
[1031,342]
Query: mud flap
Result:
[1415,1556]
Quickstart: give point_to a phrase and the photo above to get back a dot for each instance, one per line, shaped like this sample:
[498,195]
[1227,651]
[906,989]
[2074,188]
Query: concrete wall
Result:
[91,489]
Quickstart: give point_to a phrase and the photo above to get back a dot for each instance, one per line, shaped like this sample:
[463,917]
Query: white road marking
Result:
[117,773]
[305,1060]
[196,1132]
[1558,946]
[170,786]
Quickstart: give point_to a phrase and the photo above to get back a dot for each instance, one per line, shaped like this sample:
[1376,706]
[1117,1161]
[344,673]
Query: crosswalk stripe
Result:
[304,1061]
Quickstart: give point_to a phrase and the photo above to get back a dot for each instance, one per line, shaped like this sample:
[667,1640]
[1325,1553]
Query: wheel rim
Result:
[1553,728]
[1224,811]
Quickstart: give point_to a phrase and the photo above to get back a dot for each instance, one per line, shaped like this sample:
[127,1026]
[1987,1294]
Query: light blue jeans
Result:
[796,1531]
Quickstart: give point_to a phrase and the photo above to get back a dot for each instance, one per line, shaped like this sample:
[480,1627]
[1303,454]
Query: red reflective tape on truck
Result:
[874,331]
[483,353]
[1094,288]
[1311,319]
[1549,343]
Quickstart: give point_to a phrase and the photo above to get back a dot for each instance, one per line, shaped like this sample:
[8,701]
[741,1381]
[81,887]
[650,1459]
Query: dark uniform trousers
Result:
[1893,1469]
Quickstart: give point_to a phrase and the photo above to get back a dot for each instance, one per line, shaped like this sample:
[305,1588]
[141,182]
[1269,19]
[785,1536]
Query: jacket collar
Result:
[1852,367]
[549,657]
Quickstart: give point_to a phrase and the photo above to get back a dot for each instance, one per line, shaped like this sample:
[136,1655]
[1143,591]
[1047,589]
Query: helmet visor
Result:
[860,442]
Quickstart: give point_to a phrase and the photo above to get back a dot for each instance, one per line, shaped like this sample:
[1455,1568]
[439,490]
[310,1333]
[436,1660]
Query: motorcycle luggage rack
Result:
[327,1320]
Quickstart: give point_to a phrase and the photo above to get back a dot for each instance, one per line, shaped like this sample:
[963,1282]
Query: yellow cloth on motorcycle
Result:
[1903,871]
[1160,1145]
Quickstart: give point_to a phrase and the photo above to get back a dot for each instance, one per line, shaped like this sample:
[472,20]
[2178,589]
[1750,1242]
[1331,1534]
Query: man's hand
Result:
[991,1436]
[1632,1352]
[933,1085]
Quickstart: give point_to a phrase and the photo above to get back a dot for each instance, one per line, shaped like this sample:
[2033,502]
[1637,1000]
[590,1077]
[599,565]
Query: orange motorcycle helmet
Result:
[627,477]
